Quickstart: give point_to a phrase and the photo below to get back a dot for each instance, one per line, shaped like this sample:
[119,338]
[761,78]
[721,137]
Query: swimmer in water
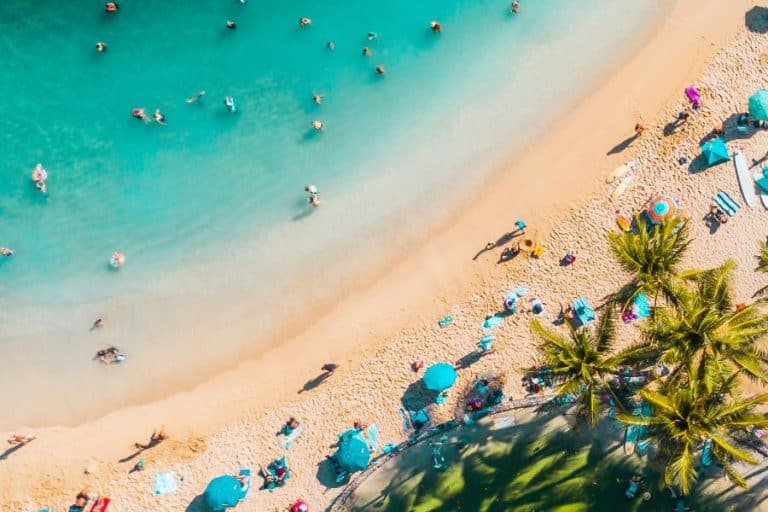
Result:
[367,51]
[515,7]
[229,102]
[435,26]
[317,125]
[111,7]
[330,45]
[159,117]
[372,36]
[313,198]
[318,98]
[231,25]
[303,22]
[4,251]
[380,70]
[139,113]
[101,47]
[199,97]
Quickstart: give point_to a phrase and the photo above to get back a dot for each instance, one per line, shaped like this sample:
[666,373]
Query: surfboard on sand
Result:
[620,171]
[621,187]
[746,184]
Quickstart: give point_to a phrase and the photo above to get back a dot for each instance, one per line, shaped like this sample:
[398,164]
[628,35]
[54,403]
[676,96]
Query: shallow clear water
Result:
[210,209]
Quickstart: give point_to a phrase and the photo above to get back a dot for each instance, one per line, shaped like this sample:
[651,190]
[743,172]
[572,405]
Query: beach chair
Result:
[582,311]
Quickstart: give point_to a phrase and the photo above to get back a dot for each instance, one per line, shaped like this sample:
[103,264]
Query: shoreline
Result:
[441,263]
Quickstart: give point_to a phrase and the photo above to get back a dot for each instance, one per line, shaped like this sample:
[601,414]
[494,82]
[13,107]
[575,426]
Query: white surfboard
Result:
[620,171]
[762,193]
[621,187]
[746,184]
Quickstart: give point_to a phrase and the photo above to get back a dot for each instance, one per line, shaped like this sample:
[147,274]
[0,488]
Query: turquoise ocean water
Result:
[222,250]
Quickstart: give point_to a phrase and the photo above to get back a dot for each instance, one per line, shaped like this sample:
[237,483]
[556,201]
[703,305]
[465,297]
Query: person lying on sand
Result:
[20,439]
[158,436]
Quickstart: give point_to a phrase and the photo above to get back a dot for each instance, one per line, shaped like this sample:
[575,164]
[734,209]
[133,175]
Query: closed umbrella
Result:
[439,377]
[224,492]
[354,453]
[662,208]
[758,105]
[715,152]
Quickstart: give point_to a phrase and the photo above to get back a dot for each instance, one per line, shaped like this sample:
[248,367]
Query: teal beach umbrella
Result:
[758,105]
[439,377]
[715,152]
[354,453]
[224,492]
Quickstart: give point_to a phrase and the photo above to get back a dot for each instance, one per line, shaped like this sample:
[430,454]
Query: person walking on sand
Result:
[158,436]
[639,129]
[98,324]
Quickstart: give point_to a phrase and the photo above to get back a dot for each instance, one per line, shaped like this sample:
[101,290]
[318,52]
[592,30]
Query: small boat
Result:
[746,184]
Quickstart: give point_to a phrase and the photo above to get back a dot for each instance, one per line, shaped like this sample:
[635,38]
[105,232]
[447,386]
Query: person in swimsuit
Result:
[231,25]
[435,26]
[330,45]
[101,47]
[158,436]
[317,125]
[111,7]
[159,117]
[367,52]
[380,70]
[303,22]
[318,98]
[515,7]
[197,98]
[4,251]
[139,113]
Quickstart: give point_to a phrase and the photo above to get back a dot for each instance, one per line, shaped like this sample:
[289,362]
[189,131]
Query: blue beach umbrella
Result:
[758,105]
[354,453]
[715,152]
[224,492]
[439,377]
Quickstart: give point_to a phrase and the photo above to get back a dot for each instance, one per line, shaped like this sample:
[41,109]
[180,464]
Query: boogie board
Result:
[620,171]
[746,184]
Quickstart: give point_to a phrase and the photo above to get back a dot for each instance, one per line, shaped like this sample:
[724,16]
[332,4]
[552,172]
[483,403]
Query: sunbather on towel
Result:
[158,436]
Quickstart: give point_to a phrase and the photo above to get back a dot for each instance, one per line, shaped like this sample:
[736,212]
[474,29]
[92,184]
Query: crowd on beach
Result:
[510,302]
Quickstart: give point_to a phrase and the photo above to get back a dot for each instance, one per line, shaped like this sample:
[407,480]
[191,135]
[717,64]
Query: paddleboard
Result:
[620,171]
[746,184]
[621,187]
[763,194]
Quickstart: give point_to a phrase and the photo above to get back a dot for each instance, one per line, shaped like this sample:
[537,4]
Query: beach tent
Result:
[225,491]
[715,152]
[353,453]
[439,377]
[758,105]
[662,208]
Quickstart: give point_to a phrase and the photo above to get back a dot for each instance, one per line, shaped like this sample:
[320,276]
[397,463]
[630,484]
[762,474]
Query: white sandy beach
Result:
[380,329]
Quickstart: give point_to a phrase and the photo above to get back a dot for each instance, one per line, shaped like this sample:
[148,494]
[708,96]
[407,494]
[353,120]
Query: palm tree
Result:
[762,266]
[652,255]
[705,330]
[686,414]
[583,362]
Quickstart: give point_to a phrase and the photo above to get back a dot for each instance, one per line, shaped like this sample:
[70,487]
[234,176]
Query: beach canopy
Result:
[354,453]
[439,377]
[758,105]
[224,492]
[662,208]
[715,152]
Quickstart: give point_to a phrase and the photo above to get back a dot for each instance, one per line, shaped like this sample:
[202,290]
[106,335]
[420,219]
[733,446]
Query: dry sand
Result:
[558,187]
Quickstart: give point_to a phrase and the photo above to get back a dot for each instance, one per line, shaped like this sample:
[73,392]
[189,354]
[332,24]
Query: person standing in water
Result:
[314,197]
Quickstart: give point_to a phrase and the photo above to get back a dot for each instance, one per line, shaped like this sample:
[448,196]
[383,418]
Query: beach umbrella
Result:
[715,152]
[224,492]
[758,105]
[662,208]
[354,453]
[439,377]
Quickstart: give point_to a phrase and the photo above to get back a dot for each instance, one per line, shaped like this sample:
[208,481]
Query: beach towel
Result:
[486,342]
[706,453]
[101,504]
[165,483]
[291,437]
[492,322]
[640,306]
[373,437]
[726,203]
[445,321]
[583,311]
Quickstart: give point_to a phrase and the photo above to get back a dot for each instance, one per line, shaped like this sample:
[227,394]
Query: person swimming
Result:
[4,251]
[515,7]
[435,26]
[367,51]
[380,70]
[199,97]
[317,125]
[313,197]
[372,36]
[159,117]
[111,7]
[101,47]
[229,102]
[303,22]
[330,45]
[139,113]
[39,176]
[318,98]
[231,25]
